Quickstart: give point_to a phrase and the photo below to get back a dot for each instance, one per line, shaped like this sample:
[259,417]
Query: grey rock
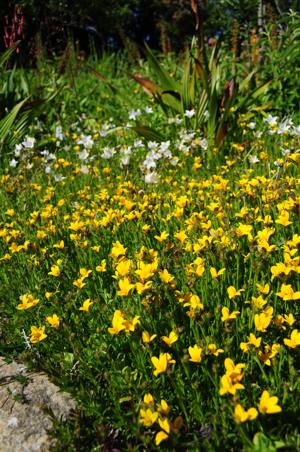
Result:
[26,399]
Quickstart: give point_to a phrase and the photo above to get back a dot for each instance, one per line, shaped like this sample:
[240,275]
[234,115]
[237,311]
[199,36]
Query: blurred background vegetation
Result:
[109,25]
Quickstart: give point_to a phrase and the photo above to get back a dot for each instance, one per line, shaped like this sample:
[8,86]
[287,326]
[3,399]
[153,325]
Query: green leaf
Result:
[165,80]
[148,132]
[7,54]
[7,122]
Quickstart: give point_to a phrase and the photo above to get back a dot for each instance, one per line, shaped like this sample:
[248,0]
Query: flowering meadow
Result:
[157,286]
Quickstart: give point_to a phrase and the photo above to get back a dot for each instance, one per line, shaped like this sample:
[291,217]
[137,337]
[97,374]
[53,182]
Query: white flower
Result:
[189,113]
[285,151]
[86,140]
[138,144]
[127,150]
[271,120]
[13,163]
[108,153]
[148,110]
[164,146]
[149,163]
[253,159]
[84,169]
[125,160]
[285,126]
[45,153]
[83,155]
[252,125]
[296,131]
[48,169]
[152,145]
[151,178]
[154,155]
[204,143]
[29,142]
[104,129]
[58,178]
[58,133]
[174,161]
[18,149]
[133,114]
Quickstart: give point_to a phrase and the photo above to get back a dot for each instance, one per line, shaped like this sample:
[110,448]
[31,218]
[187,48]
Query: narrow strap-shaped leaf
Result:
[148,132]
[166,82]
[7,122]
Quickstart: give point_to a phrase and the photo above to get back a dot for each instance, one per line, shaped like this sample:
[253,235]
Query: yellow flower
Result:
[162,237]
[244,229]
[181,236]
[163,408]
[148,417]
[131,324]
[258,302]
[164,425]
[27,301]
[84,273]
[148,399]
[279,269]
[48,295]
[125,287]
[214,273]
[86,305]
[117,323]
[117,250]
[159,437]
[226,315]
[263,320]
[102,267]
[268,404]
[60,245]
[214,350]
[123,268]
[268,353]
[264,235]
[55,271]
[234,371]
[145,271]
[141,288]
[147,337]
[195,353]
[232,292]
[79,283]
[146,228]
[283,218]
[252,340]
[169,340]
[161,363]
[53,321]
[289,319]
[193,302]
[228,386]
[40,235]
[287,293]
[242,415]
[167,278]
[37,334]
[294,341]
